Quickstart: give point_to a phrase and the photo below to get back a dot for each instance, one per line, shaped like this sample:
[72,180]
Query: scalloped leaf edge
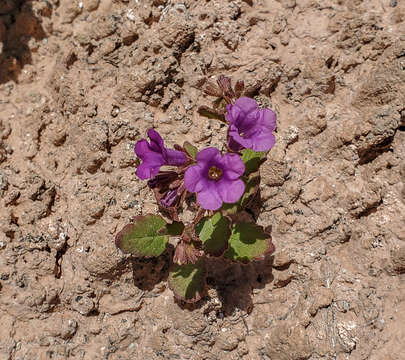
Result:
[270,250]
[121,233]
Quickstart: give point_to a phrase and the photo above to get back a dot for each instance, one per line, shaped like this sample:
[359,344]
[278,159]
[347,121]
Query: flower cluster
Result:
[215,184]
[214,177]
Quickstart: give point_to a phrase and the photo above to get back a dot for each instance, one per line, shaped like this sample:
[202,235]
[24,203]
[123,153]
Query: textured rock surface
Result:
[81,81]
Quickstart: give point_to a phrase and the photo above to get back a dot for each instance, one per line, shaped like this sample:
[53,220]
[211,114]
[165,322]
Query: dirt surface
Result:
[81,81]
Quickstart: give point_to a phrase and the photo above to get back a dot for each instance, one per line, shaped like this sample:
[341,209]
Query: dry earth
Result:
[81,81]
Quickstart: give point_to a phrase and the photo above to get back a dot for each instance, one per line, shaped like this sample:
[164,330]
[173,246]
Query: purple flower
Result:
[249,126]
[154,155]
[215,178]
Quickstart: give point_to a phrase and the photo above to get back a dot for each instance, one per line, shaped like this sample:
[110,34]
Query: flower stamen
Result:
[214,173]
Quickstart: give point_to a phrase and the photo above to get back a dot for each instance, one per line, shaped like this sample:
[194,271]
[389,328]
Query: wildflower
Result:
[215,178]
[249,126]
[154,155]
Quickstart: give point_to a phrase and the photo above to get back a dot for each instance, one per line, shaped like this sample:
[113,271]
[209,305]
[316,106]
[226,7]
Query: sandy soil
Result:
[81,81]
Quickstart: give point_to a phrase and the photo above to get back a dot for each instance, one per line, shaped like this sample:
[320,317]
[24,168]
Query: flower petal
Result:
[233,166]
[233,145]
[208,155]
[263,141]
[232,113]
[175,157]
[142,149]
[247,120]
[154,159]
[194,179]
[268,118]
[246,104]
[147,170]
[156,141]
[244,142]
[230,190]
[209,198]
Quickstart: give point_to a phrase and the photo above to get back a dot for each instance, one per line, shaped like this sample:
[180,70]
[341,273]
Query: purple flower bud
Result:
[215,178]
[163,179]
[249,126]
[169,198]
[155,155]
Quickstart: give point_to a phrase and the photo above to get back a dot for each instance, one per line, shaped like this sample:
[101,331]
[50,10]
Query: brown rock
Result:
[398,260]
[82,304]
[282,259]
[332,186]
[317,189]
[323,297]
[287,341]
[273,173]
[176,32]
[289,4]
[91,5]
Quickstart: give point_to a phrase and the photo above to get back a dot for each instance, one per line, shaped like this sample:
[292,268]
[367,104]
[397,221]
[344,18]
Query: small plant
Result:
[216,185]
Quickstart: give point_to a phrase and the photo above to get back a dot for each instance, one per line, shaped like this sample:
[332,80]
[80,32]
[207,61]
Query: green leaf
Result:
[248,242]
[174,229]
[252,183]
[230,209]
[252,160]
[188,281]
[191,149]
[214,233]
[144,237]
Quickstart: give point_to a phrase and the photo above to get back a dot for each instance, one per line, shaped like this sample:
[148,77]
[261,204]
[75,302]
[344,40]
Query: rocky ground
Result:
[81,81]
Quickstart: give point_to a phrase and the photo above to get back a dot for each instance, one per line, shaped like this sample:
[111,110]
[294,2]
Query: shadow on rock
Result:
[20,30]
[234,283]
[149,272]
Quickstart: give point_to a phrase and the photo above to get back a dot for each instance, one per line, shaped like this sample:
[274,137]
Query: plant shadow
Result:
[20,29]
[147,273]
[235,283]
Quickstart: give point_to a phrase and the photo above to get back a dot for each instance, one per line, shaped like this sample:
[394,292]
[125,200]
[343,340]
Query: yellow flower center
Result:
[214,173]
